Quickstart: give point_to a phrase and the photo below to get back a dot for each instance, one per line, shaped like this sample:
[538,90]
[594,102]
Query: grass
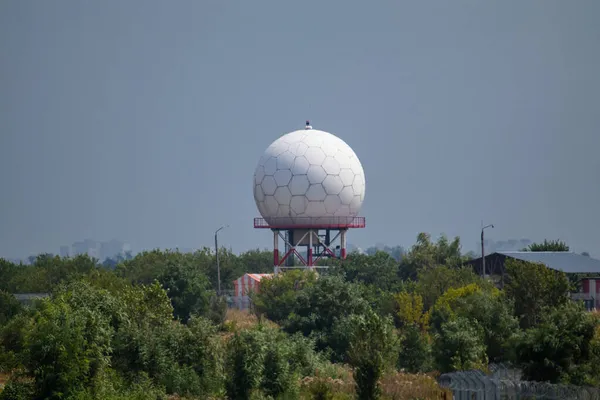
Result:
[236,320]
[399,385]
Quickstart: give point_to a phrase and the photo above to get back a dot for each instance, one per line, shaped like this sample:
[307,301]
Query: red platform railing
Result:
[310,223]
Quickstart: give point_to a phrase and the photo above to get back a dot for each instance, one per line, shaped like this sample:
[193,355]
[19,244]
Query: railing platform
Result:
[310,223]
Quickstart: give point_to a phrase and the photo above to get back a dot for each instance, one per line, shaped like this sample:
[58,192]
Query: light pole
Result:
[483,250]
[217,255]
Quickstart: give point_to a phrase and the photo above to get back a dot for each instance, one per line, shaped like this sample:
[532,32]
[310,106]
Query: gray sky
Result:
[144,120]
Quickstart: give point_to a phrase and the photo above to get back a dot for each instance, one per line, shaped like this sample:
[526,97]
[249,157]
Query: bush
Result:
[17,390]
[563,348]
[264,360]
[372,350]
[415,350]
[459,346]
[334,299]
[9,307]
[488,308]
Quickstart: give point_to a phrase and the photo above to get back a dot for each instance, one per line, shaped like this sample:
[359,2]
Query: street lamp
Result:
[217,255]
[483,250]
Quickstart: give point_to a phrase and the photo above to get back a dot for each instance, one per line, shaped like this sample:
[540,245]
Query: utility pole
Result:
[217,256]
[483,249]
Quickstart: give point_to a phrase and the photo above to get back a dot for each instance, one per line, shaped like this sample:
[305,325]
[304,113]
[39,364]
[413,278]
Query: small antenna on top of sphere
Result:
[307,125]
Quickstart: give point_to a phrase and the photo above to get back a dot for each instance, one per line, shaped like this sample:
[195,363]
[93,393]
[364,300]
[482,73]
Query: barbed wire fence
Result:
[504,382]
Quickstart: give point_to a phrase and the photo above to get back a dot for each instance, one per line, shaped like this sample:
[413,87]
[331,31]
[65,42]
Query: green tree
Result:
[410,311]
[562,348]
[379,270]
[260,361]
[486,307]
[188,288]
[415,350]
[67,347]
[533,286]
[9,307]
[425,254]
[460,346]
[548,245]
[434,282]
[372,349]
[8,271]
[319,306]
[278,295]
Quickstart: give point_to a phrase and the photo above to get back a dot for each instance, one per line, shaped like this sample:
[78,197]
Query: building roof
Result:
[565,261]
[258,277]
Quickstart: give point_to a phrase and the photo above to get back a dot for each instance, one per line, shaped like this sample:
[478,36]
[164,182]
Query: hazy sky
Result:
[144,120]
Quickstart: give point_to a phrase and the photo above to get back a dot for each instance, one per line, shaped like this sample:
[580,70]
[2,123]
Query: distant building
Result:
[65,251]
[28,299]
[492,246]
[243,286]
[87,246]
[99,250]
[112,249]
[585,267]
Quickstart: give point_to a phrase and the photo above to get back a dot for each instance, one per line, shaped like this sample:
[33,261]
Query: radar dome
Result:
[309,176]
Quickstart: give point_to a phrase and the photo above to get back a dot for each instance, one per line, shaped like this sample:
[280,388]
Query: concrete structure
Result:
[309,187]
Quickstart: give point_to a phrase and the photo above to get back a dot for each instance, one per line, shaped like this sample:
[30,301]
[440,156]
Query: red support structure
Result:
[305,232]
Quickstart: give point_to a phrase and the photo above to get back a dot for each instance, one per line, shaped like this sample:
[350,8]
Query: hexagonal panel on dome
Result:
[346,195]
[355,204]
[259,174]
[285,160]
[293,137]
[343,160]
[283,177]
[315,209]
[284,211]
[343,211]
[332,203]
[316,192]
[270,166]
[355,166]
[313,139]
[298,149]
[283,195]
[347,176]
[329,148]
[331,166]
[300,166]
[358,185]
[258,193]
[316,174]
[271,205]
[278,147]
[298,204]
[333,184]
[315,155]
[299,185]
[262,209]
[269,185]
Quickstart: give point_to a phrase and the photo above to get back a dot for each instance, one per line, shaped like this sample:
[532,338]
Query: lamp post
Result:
[483,250]
[217,255]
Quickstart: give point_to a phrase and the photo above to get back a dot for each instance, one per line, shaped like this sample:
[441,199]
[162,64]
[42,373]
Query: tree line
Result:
[368,327]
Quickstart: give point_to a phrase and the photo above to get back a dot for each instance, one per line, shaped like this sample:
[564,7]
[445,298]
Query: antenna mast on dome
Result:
[307,127]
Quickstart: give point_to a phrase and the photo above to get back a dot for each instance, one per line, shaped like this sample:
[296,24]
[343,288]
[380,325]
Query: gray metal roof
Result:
[30,296]
[569,262]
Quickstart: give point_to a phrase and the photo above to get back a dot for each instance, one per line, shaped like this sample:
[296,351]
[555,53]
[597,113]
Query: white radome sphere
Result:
[309,176]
